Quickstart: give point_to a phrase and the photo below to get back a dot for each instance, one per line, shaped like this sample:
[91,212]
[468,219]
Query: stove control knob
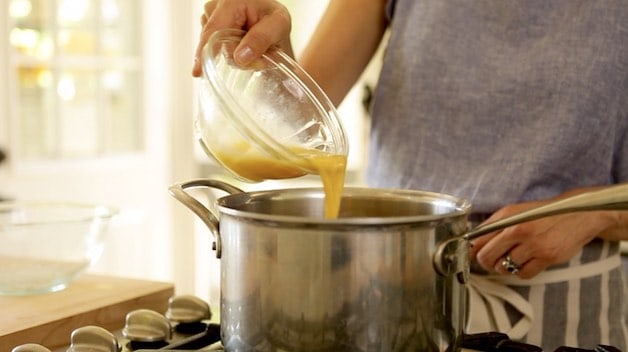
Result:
[30,347]
[145,325]
[93,338]
[187,309]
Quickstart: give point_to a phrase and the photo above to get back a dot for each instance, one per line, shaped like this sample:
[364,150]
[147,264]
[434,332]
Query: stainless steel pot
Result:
[387,275]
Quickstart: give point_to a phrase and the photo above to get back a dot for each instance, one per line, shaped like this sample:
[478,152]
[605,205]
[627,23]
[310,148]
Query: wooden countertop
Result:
[49,319]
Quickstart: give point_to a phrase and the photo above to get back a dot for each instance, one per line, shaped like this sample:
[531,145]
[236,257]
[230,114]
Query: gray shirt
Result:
[502,101]
[508,101]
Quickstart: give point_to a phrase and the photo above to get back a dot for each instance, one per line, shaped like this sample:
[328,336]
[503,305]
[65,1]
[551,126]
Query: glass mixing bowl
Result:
[46,245]
[261,121]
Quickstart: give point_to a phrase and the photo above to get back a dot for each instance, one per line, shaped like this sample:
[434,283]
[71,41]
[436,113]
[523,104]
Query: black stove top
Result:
[187,326]
[209,340]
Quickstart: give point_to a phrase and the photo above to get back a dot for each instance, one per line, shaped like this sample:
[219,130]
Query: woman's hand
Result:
[534,246]
[339,50]
[267,23]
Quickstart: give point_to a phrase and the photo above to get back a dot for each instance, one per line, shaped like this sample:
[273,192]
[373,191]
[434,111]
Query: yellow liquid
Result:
[331,168]
[255,166]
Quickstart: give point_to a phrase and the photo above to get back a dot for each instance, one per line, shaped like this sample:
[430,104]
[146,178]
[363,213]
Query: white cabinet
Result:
[86,115]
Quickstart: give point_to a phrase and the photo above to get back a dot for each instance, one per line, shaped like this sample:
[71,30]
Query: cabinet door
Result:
[82,119]
[74,75]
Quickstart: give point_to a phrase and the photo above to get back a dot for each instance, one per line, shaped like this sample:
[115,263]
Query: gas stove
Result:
[187,326]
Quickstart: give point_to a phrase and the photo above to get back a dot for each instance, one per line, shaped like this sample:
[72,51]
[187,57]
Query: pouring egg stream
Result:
[275,97]
[251,164]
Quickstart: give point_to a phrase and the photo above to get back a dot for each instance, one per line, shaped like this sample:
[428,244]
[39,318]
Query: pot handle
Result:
[177,190]
[612,198]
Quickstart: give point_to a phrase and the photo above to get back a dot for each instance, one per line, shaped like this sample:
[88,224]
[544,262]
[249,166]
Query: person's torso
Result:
[502,101]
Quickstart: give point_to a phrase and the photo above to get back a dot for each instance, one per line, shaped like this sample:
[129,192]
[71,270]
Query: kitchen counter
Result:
[49,319]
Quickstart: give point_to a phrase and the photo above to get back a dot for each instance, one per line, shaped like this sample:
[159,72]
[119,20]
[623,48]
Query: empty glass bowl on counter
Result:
[266,120]
[46,245]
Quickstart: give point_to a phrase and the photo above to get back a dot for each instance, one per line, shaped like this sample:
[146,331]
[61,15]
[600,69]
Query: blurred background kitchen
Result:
[97,105]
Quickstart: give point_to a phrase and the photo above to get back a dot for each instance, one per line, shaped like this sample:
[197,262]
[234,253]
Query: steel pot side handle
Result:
[177,190]
[446,256]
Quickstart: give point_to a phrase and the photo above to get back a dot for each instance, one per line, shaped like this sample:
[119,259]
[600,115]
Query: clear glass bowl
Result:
[257,120]
[46,245]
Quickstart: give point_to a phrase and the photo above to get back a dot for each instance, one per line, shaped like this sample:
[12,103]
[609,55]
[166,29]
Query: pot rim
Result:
[228,205]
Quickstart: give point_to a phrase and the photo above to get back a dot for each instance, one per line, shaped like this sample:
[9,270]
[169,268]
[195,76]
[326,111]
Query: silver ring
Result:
[509,265]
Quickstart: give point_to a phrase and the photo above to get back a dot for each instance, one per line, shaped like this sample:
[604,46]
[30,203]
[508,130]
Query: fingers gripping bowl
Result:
[46,245]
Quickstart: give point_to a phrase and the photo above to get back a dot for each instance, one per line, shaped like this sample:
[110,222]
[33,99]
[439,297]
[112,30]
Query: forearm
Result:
[343,44]
[617,229]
